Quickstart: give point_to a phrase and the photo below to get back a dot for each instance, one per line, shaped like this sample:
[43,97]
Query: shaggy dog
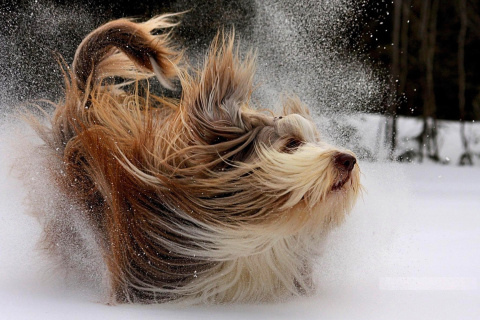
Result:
[201,199]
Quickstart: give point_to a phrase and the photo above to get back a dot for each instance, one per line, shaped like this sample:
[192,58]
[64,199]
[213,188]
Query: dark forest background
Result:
[431,49]
[427,50]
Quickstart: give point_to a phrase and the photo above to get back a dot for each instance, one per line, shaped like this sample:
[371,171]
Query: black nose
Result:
[345,161]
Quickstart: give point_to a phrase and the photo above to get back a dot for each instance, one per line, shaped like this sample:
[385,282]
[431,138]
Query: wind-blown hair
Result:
[198,199]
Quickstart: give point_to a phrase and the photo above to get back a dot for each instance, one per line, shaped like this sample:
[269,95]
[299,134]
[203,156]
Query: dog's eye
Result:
[292,145]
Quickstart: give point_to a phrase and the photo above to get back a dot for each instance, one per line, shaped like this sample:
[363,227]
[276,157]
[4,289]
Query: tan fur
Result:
[201,199]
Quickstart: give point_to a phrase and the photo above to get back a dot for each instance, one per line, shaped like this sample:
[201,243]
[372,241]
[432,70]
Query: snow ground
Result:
[409,250]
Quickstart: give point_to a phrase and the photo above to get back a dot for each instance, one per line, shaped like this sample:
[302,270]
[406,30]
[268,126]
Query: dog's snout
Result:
[345,161]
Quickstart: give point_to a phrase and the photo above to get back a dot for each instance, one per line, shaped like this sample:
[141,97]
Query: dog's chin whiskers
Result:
[341,182]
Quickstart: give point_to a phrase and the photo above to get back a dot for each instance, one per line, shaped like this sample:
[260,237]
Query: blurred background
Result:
[392,80]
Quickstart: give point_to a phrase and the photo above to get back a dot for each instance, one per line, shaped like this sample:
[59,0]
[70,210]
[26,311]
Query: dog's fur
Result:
[197,199]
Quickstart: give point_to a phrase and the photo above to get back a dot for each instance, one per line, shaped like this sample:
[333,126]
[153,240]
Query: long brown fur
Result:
[200,199]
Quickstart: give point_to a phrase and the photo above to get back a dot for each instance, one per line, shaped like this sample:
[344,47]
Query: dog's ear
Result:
[293,105]
[218,97]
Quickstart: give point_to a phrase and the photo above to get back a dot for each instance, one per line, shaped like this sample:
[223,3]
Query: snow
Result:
[409,250]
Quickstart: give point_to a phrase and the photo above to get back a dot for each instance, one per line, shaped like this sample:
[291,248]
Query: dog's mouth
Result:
[344,178]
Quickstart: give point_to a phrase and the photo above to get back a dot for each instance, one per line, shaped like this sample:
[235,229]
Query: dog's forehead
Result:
[296,125]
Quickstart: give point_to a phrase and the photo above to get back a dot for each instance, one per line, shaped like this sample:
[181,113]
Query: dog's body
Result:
[201,199]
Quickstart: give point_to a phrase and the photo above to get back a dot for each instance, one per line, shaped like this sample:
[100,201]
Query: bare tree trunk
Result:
[404,46]
[424,18]
[403,68]
[466,157]
[432,143]
[391,125]
[428,33]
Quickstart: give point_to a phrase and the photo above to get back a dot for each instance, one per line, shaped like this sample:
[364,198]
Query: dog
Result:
[202,198]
